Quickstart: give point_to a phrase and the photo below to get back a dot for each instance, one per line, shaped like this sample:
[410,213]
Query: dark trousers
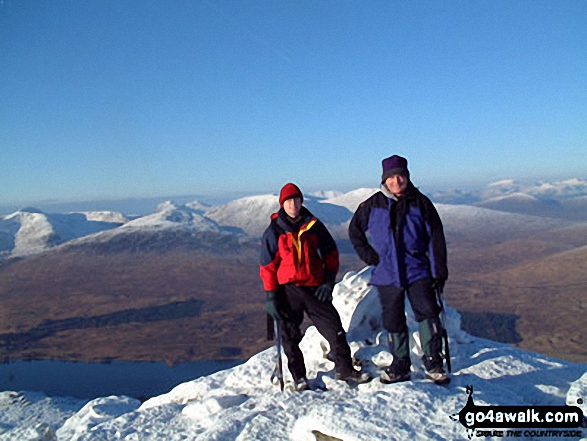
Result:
[422,299]
[426,310]
[292,302]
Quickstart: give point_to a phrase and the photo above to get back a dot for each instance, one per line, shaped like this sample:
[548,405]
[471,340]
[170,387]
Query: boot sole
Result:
[440,381]
[399,380]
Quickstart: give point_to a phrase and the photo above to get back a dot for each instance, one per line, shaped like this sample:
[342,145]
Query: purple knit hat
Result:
[394,165]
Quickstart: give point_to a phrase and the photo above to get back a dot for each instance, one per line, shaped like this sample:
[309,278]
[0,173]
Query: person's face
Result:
[292,207]
[397,184]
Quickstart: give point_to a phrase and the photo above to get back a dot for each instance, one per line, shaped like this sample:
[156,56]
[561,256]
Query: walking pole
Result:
[444,333]
[278,371]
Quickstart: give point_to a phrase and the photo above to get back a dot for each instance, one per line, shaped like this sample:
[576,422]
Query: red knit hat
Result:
[290,191]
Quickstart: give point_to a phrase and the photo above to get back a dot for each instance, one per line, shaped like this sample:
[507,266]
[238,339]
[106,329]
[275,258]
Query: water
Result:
[91,380]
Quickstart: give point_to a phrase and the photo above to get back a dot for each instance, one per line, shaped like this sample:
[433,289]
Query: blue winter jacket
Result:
[407,238]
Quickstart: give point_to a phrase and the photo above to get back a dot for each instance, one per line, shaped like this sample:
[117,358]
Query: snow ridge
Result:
[30,231]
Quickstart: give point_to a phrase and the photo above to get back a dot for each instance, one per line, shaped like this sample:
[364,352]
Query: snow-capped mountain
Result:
[169,227]
[489,210]
[520,202]
[253,214]
[30,231]
[352,199]
[170,215]
[482,223]
[561,199]
[568,188]
[241,403]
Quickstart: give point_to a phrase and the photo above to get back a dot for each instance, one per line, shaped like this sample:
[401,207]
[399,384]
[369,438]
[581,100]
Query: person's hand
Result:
[438,285]
[270,305]
[324,292]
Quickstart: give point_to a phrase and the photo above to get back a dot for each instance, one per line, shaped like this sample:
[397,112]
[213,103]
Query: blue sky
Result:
[115,99]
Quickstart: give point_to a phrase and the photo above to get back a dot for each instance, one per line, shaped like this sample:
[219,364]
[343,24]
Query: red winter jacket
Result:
[303,253]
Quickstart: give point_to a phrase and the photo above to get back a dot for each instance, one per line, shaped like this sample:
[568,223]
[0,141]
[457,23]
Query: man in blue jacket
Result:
[408,250]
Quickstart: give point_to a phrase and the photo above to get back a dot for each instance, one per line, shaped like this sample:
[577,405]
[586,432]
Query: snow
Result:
[241,404]
[32,415]
[477,221]
[546,192]
[566,188]
[30,231]
[515,196]
[352,199]
[34,234]
[170,215]
[503,183]
[105,216]
[326,194]
[251,214]
[559,189]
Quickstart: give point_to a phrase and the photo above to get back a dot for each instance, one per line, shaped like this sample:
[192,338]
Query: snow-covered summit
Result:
[170,215]
[29,231]
[556,189]
[535,197]
[566,188]
[251,214]
[105,216]
[326,194]
[351,199]
[170,227]
[241,404]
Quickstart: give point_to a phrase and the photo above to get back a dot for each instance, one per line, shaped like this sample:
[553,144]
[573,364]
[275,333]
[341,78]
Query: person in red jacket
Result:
[299,262]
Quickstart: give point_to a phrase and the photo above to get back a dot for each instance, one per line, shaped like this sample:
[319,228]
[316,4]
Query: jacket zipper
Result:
[297,243]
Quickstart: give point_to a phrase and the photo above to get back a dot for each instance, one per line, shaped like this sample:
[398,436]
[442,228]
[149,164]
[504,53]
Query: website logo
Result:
[520,421]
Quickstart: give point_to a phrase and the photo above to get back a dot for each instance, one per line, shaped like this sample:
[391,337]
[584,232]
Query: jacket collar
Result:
[411,191]
[287,222]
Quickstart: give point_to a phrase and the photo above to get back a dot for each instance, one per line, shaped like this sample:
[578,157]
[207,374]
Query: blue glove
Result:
[324,292]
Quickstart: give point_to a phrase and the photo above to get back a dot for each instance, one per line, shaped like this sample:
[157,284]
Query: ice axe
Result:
[278,370]
[438,290]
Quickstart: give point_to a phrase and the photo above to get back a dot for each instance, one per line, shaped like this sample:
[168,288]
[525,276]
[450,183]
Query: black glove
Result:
[270,305]
[324,292]
[438,285]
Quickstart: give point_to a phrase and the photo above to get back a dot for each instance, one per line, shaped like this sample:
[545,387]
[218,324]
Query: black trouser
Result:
[422,299]
[292,301]
[426,311]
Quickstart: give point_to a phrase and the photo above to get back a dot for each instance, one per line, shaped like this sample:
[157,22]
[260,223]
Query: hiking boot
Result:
[354,376]
[301,385]
[390,375]
[438,375]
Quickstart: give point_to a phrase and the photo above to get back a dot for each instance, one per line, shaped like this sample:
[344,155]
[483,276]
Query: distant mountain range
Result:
[562,199]
[529,208]
[128,283]
[30,231]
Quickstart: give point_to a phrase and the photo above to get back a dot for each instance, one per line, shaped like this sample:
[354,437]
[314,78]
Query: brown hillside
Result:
[124,300]
[172,306]
[549,295]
